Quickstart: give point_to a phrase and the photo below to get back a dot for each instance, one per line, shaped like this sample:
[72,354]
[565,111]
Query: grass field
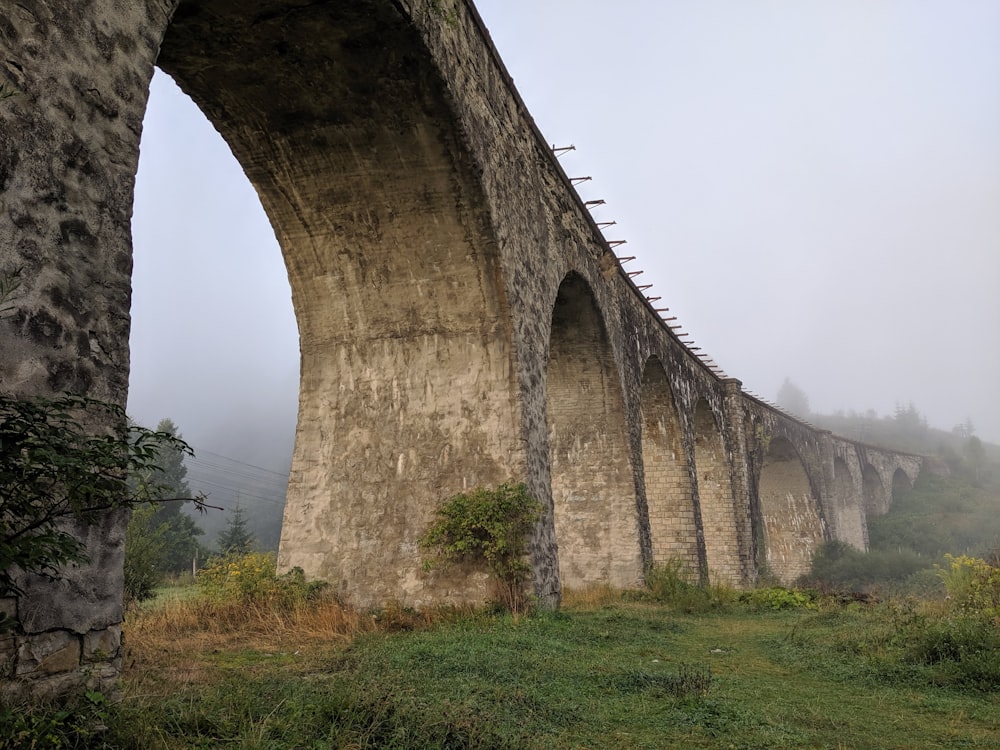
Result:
[706,669]
[605,672]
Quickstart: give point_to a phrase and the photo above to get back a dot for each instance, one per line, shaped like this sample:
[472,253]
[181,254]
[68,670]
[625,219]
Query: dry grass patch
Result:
[592,597]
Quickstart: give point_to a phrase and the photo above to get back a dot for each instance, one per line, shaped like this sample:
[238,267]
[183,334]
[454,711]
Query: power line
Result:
[236,461]
[241,491]
[216,468]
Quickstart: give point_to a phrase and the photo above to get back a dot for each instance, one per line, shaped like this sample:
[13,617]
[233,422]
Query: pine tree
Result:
[236,538]
[177,532]
[170,478]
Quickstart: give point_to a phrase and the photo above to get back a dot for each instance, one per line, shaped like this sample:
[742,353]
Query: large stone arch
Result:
[848,520]
[340,116]
[715,498]
[672,522]
[793,526]
[406,396]
[593,491]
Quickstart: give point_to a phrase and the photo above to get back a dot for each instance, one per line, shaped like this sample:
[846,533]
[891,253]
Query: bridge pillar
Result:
[69,147]
[735,417]
[830,496]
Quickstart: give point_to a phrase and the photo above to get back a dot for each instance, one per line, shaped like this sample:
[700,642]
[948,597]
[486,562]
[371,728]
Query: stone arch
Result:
[793,527]
[876,500]
[848,510]
[672,523]
[715,497]
[593,490]
[900,481]
[340,119]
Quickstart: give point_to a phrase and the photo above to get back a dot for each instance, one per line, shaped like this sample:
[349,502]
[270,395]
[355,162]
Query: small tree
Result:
[143,549]
[236,538]
[64,463]
[167,483]
[491,527]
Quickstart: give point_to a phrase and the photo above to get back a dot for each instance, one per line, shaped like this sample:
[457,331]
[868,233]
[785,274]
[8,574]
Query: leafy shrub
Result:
[964,650]
[952,639]
[671,583]
[253,579]
[778,597]
[973,585]
[78,724]
[488,526]
[64,464]
[143,549]
[839,567]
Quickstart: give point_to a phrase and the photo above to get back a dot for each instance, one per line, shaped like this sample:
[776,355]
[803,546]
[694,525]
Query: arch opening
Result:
[715,497]
[231,388]
[593,492]
[900,481]
[672,523]
[793,527]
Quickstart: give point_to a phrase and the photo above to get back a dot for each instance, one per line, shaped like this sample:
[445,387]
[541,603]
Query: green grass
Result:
[626,675]
[611,673]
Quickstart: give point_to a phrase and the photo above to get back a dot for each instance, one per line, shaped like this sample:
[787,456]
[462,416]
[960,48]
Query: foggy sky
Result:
[813,188]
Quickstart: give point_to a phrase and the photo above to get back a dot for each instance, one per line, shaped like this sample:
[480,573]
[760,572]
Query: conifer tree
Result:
[236,538]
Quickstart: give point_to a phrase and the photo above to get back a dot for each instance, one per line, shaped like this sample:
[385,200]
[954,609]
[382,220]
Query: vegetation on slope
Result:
[672,666]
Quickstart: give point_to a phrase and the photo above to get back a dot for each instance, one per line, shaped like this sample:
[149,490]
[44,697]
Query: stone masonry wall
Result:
[69,143]
[427,230]
[672,520]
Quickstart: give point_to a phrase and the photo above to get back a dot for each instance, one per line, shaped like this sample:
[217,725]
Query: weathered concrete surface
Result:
[461,319]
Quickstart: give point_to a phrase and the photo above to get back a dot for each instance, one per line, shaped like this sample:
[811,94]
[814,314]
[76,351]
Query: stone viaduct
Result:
[462,320]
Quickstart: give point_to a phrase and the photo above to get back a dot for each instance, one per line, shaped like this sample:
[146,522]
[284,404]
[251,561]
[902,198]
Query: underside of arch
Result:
[848,508]
[339,118]
[593,490]
[793,526]
[901,481]
[876,498]
[715,496]
[672,524]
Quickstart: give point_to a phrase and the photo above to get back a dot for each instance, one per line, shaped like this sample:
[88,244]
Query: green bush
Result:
[973,585]
[671,583]
[778,598]
[64,464]
[143,549]
[79,724]
[488,526]
[253,579]
[840,567]
[964,651]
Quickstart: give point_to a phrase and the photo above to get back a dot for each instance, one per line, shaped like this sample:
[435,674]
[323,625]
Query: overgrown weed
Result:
[591,597]
[903,642]
[673,584]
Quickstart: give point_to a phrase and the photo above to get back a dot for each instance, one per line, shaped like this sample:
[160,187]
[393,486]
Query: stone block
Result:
[102,645]
[48,653]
